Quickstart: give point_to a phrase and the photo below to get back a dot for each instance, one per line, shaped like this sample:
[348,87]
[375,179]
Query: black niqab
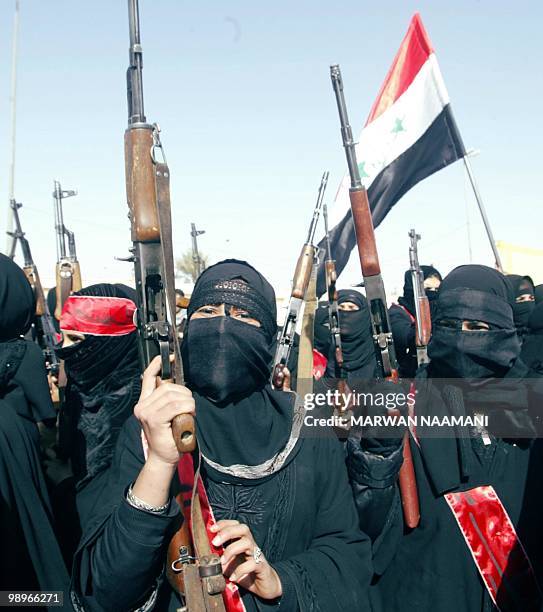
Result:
[407,300]
[521,285]
[356,337]
[473,293]
[256,424]
[538,294]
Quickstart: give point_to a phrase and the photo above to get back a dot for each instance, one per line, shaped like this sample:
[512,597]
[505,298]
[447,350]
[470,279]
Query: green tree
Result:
[187,267]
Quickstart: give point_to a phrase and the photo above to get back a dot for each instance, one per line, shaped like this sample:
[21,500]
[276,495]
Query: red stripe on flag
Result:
[412,55]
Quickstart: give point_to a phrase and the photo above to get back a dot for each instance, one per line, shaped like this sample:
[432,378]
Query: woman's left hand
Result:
[243,562]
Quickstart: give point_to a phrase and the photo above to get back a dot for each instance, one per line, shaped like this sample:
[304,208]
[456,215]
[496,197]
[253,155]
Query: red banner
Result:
[496,549]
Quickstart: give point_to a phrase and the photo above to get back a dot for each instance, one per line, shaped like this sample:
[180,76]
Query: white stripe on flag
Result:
[396,130]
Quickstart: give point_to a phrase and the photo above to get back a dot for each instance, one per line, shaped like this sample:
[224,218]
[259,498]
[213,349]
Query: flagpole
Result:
[479,200]
[13,101]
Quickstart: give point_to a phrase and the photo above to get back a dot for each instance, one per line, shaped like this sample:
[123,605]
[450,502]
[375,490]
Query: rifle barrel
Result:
[134,74]
[346,131]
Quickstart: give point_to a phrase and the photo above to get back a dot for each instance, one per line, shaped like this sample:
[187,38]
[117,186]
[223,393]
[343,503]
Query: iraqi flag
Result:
[409,135]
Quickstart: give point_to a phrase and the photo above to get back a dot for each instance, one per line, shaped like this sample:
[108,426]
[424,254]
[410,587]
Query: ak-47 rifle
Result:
[68,274]
[148,195]
[333,309]
[302,276]
[375,292]
[46,335]
[422,306]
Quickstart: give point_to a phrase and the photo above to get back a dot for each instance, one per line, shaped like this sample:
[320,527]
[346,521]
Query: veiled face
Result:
[432,283]
[348,307]
[210,311]
[70,338]
[464,325]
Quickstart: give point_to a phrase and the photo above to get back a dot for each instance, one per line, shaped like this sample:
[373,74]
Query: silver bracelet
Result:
[138,503]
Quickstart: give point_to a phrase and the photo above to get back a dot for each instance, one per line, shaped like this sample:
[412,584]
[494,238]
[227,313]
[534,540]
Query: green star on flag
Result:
[398,126]
[363,173]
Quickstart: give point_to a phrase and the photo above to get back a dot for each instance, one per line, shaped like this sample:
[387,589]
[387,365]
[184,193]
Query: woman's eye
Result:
[206,310]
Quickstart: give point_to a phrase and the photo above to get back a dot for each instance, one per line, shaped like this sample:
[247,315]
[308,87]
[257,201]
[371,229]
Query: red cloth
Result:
[98,316]
[496,549]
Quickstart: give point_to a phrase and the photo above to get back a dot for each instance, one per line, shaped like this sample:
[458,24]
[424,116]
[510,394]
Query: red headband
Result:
[98,316]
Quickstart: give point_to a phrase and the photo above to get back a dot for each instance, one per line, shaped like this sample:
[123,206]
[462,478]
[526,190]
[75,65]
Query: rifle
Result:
[375,292]
[302,275]
[68,274]
[333,310]
[148,196]
[422,306]
[46,335]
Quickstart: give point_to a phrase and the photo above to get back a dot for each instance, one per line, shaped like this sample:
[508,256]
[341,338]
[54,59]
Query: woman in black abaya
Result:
[30,557]
[475,368]
[283,504]
[356,338]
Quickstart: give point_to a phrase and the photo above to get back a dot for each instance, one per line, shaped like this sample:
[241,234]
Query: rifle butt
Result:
[365,234]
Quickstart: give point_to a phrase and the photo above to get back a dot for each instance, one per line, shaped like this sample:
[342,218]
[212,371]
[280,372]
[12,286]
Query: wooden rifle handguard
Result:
[363,225]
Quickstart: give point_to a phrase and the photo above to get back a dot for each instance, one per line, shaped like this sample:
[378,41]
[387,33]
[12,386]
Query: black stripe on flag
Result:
[438,147]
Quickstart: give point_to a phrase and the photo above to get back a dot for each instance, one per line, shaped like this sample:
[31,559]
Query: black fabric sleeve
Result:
[373,478]
[121,556]
[334,573]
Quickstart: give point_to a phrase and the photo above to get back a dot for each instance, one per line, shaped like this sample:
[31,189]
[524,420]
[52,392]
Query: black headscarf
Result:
[473,293]
[356,337]
[103,387]
[521,310]
[538,294]
[22,366]
[408,298]
[221,355]
[17,302]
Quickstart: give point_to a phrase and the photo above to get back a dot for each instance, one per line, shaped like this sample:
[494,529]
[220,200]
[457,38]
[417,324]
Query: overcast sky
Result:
[249,123]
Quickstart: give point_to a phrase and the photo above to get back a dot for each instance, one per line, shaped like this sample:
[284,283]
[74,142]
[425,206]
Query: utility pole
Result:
[10,245]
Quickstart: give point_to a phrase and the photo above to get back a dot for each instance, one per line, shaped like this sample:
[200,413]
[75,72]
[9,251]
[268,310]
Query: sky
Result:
[249,123]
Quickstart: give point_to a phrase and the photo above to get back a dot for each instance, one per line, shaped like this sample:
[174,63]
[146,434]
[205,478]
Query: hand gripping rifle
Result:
[148,195]
[375,293]
[68,275]
[422,306]
[302,276]
[333,309]
[46,335]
